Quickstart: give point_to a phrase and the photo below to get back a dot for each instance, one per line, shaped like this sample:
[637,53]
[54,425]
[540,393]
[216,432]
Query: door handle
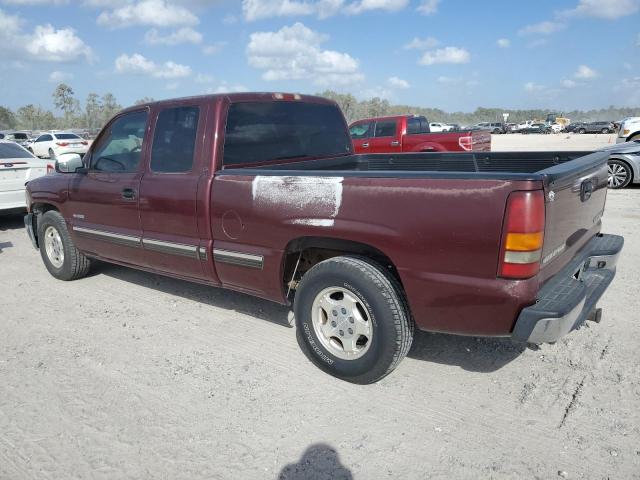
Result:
[395,143]
[128,193]
[365,145]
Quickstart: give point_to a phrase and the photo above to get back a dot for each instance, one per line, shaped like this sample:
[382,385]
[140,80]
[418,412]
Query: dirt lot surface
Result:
[130,375]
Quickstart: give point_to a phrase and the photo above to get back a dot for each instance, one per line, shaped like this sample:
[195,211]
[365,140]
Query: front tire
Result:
[352,319]
[619,174]
[52,154]
[582,131]
[59,254]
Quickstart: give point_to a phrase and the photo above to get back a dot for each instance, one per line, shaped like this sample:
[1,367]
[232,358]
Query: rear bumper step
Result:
[569,298]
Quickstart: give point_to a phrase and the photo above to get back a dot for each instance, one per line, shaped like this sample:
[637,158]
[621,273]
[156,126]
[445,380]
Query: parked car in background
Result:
[50,145]
[17,167]
[436,127]
[596,127]
[495,127]
[537,128]
[572,127]
[21,138]
[412,133]
[522,125]
[629,130]
[624,164]
[556,127]
[263,194]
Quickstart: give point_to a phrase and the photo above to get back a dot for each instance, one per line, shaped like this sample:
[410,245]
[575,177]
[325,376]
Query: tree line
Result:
[95,112]
[98,109]
[355,109]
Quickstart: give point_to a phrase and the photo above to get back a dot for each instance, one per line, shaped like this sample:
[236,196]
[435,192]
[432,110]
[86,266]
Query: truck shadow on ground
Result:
[11,221]
[469,353]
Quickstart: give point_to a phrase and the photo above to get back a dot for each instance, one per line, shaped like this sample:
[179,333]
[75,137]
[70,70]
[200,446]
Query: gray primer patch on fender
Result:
[306,200]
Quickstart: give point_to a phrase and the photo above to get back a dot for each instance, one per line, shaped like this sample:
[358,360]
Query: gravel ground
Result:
[130,375]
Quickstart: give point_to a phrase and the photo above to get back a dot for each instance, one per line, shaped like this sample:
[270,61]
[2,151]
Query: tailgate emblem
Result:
[586,189]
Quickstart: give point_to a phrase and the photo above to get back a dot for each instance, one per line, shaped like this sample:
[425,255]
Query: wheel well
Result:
[303,253]
[634,137]
[41,208]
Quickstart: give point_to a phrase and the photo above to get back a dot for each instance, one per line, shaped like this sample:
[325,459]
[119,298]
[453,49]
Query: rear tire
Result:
[620,174]
[52,154]
[59,254]
[352,319]
[605,130]
[582,131]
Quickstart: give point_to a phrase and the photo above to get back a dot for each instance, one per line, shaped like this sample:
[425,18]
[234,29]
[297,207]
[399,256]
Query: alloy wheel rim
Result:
[54,247]
[342,323]
[617,175]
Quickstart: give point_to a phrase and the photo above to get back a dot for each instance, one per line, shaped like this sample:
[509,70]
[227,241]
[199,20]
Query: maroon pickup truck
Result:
[411,133]
[262,193]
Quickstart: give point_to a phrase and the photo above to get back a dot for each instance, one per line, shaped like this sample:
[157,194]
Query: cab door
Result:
[386,137]
[173,193]
[360,134]
[103,202]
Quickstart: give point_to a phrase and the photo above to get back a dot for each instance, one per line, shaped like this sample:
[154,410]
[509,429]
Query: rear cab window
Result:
[259,132]
[417,125]
[385,128]
[174,140]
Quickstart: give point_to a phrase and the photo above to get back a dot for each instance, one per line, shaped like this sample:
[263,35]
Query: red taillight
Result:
[466,143]
[62,144]
[50,169]
[523,235]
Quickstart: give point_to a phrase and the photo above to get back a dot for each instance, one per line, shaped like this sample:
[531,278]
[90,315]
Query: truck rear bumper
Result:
[570,297]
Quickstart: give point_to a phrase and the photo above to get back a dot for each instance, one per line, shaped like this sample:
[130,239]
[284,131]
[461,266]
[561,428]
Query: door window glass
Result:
[120,148]
[361,130]
[174,140]
[385,129]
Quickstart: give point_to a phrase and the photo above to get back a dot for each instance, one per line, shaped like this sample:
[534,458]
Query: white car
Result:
[17,167]
[556,127]
[629,130]
[436,127]
[53,144]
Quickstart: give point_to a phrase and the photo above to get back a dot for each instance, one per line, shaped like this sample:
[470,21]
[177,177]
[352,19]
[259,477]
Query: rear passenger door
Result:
[360,134]
[386,137]
[171,195]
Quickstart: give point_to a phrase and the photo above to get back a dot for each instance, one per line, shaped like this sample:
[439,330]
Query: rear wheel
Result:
[605,130]
[620,174]
[59,254]
[582,130]
[352,319]
[52,154]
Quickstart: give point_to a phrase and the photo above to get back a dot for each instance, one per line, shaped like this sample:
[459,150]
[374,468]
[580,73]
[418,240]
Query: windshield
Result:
[12,150]
[67,136]
[261,131]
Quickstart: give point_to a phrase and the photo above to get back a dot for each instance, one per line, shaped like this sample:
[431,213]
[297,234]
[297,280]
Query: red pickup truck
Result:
[411,133]
[262,193]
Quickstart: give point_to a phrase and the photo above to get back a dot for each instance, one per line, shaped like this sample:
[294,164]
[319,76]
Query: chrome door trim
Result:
[171,248]
[126,240]
[238,258]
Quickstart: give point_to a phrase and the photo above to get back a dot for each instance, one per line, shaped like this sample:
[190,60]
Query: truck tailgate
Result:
[575,195]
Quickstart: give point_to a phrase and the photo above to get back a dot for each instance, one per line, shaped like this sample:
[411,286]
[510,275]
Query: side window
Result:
[417,125]
[361,130]
[120,148]
[174,140]
[385,129]
[44,138]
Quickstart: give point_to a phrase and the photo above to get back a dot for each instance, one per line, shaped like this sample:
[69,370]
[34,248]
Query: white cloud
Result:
[45,43]
[428,7]
[295,53]
[203,78]
[361,6]
[532,87]
[504,43]
[224,87]
[606,9]
[568,83]
[157,13]
[421,43]
[138,64]
[182,35]
[396,82]
[543,28]
[261,9]
[585,73]
[57,76]
[454,55]
[213,48]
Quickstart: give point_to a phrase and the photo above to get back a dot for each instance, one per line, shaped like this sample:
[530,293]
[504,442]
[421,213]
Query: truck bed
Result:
[491,165]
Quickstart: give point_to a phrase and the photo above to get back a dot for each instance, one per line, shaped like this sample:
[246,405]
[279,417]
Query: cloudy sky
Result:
[451,54]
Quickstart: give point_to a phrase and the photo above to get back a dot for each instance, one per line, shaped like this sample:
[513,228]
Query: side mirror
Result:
[68,163]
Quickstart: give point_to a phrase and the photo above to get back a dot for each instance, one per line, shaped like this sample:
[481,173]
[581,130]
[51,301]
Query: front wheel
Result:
[605,130]
[582,131]
[59,254]
[52,154]
[620,174]
[352,319]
